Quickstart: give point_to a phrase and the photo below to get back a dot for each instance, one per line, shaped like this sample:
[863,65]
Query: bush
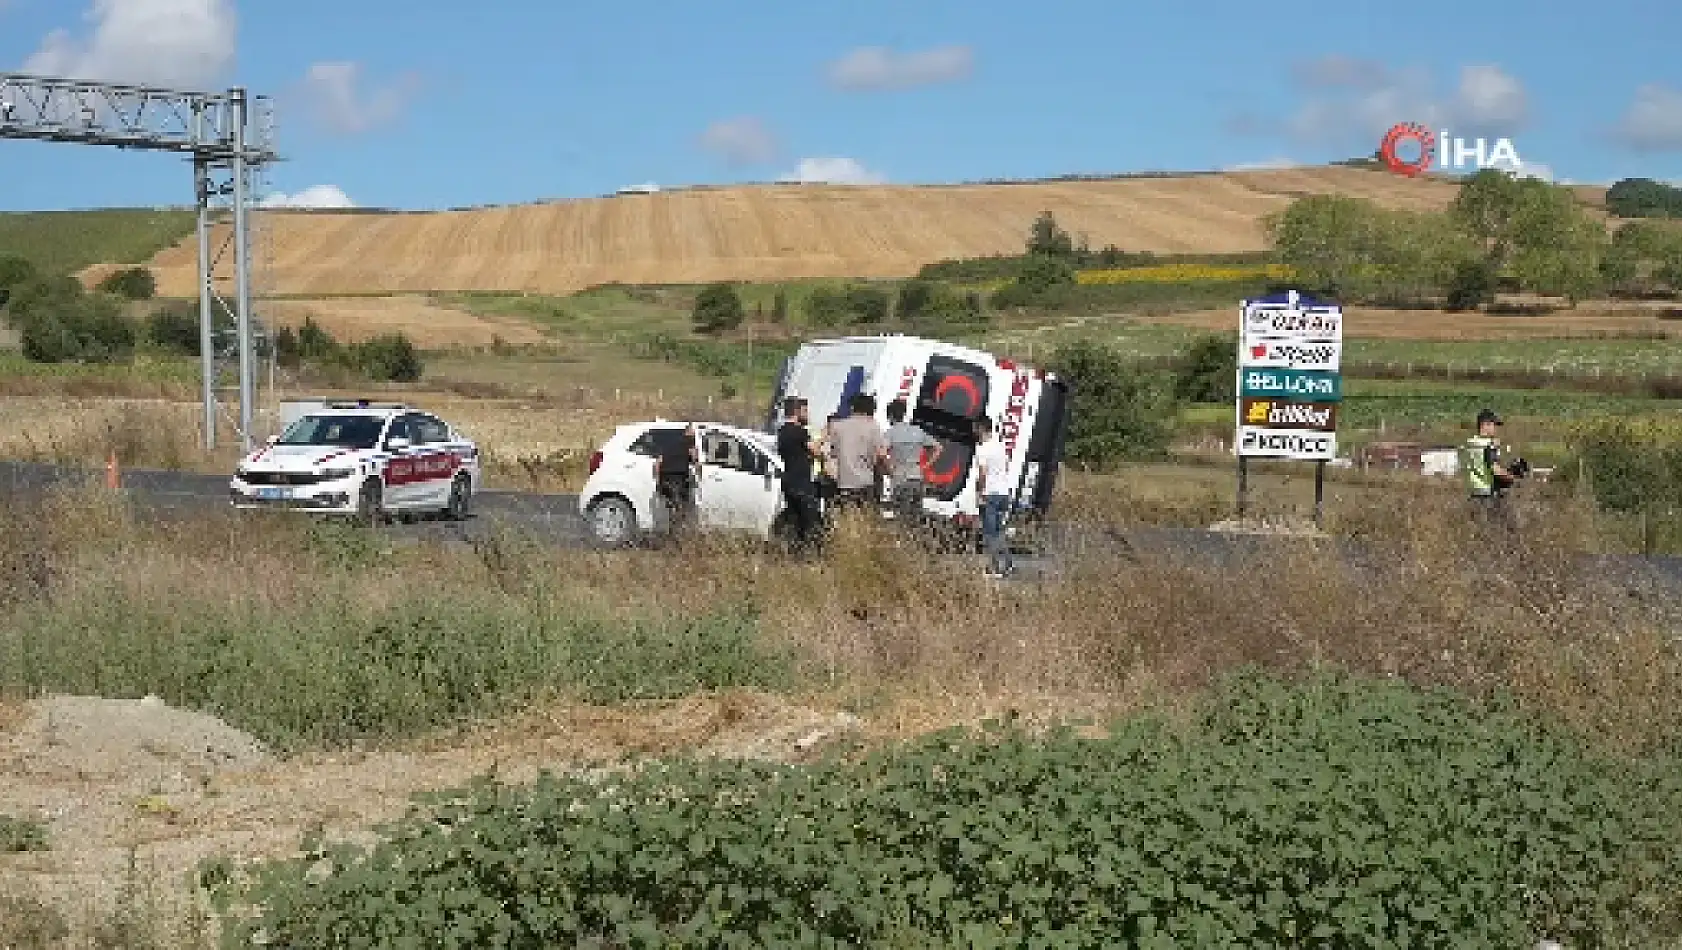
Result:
[58,323]
[133,283]
[1644,198]
[387,358]
[17,271]
[1117,411]
[718,308]
[932,304]
[1208,372]
[1335,813]
[1631,466]
[851,304]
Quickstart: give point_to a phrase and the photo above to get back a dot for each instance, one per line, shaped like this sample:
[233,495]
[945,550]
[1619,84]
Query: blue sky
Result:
[429,104]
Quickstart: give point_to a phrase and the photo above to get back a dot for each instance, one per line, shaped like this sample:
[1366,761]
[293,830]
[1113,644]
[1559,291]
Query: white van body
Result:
[946,387]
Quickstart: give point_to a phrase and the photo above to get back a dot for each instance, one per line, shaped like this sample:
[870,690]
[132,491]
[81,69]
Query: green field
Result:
[63,242]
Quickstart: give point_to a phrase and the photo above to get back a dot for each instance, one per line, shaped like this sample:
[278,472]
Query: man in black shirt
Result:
[675,474]
[794,447]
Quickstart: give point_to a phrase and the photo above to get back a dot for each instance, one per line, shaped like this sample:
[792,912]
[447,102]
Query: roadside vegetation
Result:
[318,640]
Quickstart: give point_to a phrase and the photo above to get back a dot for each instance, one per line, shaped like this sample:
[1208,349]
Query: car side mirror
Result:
[396,444]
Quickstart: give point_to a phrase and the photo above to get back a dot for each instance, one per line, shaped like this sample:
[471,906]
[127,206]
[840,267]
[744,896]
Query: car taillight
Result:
[1008,366]
[595,462]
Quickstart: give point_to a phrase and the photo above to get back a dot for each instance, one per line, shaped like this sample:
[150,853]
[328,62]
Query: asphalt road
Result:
[555,518]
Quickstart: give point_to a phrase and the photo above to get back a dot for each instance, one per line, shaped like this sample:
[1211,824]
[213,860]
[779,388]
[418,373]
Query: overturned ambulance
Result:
[947,388]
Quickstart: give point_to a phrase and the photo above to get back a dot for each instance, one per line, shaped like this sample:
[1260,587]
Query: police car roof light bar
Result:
[364,404]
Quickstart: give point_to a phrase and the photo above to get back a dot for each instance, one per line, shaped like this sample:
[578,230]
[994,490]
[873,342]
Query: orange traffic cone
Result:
[112,480]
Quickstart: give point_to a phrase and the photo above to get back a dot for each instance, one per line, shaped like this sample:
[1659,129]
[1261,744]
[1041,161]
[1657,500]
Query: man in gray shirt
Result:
[906,445]
[860,451]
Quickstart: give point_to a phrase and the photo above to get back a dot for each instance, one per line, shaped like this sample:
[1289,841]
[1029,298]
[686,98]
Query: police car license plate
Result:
[274,494]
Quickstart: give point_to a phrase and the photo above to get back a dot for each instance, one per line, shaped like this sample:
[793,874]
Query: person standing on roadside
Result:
[993,492]
[860,451]
[906,444]
[798,453]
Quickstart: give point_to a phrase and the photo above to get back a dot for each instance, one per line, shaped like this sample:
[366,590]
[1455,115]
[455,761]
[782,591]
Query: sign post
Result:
[1290,385]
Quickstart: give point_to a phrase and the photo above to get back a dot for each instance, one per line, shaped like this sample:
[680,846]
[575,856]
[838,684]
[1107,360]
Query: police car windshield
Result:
[354,432]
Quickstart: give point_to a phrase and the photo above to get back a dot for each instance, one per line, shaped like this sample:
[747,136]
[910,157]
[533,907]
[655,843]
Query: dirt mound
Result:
[108,739]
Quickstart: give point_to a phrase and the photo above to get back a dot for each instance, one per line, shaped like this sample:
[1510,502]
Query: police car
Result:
[361,458]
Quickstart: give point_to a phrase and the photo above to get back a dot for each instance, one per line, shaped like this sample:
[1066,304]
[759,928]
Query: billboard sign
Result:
[1290,354]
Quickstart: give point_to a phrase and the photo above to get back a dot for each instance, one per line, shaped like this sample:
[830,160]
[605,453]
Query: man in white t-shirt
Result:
[993,488]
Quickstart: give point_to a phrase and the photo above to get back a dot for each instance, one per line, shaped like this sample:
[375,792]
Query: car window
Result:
[721,450]
[428,429]
[657,442]
[399,429]
[726,451]
[355,432]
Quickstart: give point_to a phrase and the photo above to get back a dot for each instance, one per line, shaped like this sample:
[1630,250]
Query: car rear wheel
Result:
[613,521]
[461,497]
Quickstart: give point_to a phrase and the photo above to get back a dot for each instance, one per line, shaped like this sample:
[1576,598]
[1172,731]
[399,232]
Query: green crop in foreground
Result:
[1338,813]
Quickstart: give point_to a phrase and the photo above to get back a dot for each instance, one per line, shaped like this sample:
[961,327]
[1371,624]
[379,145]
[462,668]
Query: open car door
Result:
[739,490]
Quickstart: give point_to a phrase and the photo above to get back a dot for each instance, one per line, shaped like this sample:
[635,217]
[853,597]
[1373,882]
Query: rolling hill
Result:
[767,232]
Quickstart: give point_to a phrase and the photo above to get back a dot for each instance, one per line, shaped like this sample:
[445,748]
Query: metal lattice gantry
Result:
[228,136]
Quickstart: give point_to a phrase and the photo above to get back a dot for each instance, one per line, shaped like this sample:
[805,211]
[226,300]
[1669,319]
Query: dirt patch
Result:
[126,785]
[428,325]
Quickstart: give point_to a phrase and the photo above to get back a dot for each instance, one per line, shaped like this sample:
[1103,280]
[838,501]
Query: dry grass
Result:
[427,324]
[538,444]
[908,641]
[772,232]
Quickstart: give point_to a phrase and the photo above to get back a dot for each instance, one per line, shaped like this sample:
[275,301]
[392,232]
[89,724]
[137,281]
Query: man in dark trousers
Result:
[795,449]
[675,475]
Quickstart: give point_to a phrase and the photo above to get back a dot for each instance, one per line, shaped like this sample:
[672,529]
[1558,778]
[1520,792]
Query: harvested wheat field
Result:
[771,232]
[428,325]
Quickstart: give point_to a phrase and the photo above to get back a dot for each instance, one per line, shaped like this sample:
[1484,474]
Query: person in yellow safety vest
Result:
[1487,478]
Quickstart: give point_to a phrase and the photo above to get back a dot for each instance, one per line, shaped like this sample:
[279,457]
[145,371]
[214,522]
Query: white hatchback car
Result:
[364,459]
[739,486]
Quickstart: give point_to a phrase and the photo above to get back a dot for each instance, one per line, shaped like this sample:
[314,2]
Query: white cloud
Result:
[1263,165]
[744,140]
[1653,121]
[832,170]
[333,95]
[1536,170]
[175,43]
[1350,100]
[315,196]
[877,68]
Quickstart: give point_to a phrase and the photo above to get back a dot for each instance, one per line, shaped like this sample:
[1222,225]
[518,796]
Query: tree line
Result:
[1501,233]
[58,320]
[914,304]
